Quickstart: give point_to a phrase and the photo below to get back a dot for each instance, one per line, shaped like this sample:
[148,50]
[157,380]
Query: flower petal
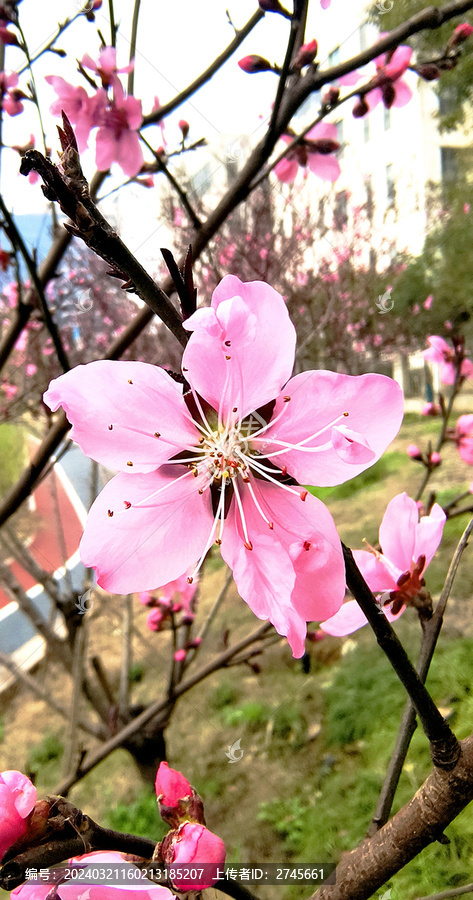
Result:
[140,401]
[348,619]
[318,403]
[286,170]
[379,573]
[141,546]
[403,93]
[429,533]
[295,571]
[397,532]
[325,166]
[24,791]
[237,357]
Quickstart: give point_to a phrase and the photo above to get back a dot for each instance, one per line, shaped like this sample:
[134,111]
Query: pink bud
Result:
[428,302]
[252,64]
[180,655]
[192,645]
[17,800]
[171,786]
[466,208]
[435,458]
[195,845]
[414,452]
[461,33]
[184,126]
[155,620]
[315,636]
[306,55]
[145,598]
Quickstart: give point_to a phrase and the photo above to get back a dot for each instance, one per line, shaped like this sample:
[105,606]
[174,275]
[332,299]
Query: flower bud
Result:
[306,55]
[360,109]
[316,636]
[460,34]
[180,655]
[272,6]
[435,458]
[184,126]
[331,96]
[193,845]
[252,64]
[414,452]
[178,801]
[428,71]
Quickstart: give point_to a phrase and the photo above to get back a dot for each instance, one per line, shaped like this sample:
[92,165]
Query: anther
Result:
[130,381]
[129,463]
[201,490]
[248,545]
[110,427]
[346,414]
[228,343]
[190,580]
[228,357]
[218,541]
[185,370]
[127,504]
[284,470]
[286,399]
[306,545]
[156,434]
[271,525]
[109,513]
[235,408]
[304,495]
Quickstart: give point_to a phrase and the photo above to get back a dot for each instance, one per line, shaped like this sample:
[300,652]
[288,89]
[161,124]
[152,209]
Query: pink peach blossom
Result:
[408,547]
[228,456]
[117,139]
[106,67]
[81,109]
[388,84]
[442,354]
[17,799]
[315,151]
[464,438]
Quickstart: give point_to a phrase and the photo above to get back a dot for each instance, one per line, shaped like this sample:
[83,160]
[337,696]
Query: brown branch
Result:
[159,708]
[419,823]
[444,746]
[68,187]
[430,635]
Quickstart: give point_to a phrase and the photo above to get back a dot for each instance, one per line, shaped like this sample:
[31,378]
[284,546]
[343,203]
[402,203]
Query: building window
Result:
[390,186]
[340,211]
[369,199]
[201,180]
[339,127]
[365,36]
[387,119]
[448,165]
[334,57]
[447,100]
[366,129]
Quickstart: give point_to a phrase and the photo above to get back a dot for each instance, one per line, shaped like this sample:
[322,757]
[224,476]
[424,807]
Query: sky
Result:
[176,41]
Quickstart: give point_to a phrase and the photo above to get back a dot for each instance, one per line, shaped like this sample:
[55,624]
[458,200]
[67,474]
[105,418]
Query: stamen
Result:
[257,504]
[247,542]
[220,508]
[263,470]
[145,501]
[300,444]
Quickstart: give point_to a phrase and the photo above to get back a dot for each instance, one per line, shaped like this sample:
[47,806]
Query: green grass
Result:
[12,453]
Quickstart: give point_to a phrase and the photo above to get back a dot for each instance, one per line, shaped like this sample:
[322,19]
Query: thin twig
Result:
[444,746]
[407,727]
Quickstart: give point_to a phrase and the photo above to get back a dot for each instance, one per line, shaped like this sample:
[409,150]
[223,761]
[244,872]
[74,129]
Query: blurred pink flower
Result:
[408,547]
[228,456]
[315,151]
[464,438]
[388,85]
[428,302]
[442,354]
[80,109]
[117,139]
[106,67]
